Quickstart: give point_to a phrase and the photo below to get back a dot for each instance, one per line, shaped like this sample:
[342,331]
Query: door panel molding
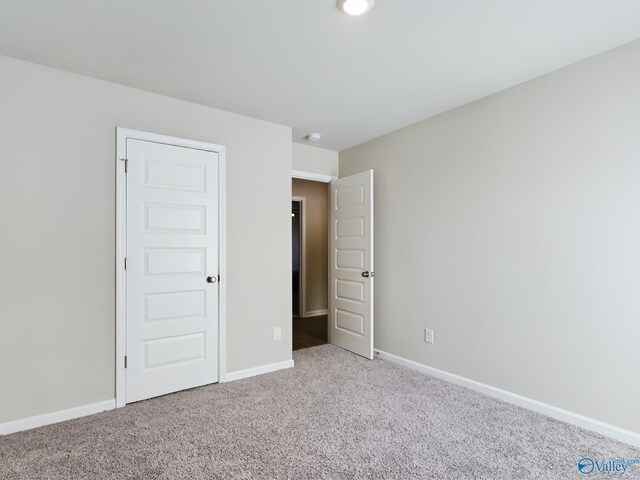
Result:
[161,177]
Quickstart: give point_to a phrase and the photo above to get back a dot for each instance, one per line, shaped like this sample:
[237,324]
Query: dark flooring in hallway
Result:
[309,332]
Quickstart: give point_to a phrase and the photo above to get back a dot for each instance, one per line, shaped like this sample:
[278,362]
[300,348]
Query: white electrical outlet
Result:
[428,335]
[277,333]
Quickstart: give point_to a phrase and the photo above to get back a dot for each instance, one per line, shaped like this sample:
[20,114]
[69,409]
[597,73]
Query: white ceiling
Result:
[302,63]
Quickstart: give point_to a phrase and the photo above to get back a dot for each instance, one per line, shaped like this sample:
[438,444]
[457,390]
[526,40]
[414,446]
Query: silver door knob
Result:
[211,279]
[365,274]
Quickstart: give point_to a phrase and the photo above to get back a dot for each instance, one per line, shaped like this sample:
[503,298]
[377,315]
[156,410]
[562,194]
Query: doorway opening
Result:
[309,282]
[345,258]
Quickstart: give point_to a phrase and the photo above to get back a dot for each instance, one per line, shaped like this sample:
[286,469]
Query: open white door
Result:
[351,269]
[171,268]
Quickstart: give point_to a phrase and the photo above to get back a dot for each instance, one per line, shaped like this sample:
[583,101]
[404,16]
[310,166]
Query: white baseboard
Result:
[55,417]
[316,313]
[252,372]
[84,410]
[588,423]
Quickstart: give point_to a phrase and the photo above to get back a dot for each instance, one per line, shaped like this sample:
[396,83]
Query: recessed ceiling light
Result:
[355,7]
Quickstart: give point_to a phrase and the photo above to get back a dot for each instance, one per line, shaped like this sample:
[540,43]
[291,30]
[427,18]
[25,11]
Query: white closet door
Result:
[172,269]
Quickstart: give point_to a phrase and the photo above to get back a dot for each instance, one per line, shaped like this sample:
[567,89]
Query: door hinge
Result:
[125,361]
[126,164]
[125,263]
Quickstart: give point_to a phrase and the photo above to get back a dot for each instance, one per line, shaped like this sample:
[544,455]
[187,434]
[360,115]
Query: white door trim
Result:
[121,241]
[315,177]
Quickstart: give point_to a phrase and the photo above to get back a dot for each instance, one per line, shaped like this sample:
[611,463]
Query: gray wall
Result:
[57,247]
[511,226]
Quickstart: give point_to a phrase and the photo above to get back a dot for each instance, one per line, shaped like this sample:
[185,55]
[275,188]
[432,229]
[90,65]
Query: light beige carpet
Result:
[334,416]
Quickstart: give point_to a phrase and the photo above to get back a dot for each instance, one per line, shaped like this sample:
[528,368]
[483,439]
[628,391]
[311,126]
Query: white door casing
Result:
[173,262]
[351,268]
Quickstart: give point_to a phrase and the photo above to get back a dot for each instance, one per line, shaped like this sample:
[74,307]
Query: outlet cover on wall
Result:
[277,333]
[428,335]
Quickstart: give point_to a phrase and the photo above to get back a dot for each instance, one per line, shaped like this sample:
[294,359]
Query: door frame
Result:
[314,177]
[122,134]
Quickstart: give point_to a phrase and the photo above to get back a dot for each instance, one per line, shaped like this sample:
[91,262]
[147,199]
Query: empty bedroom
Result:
[319,239]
